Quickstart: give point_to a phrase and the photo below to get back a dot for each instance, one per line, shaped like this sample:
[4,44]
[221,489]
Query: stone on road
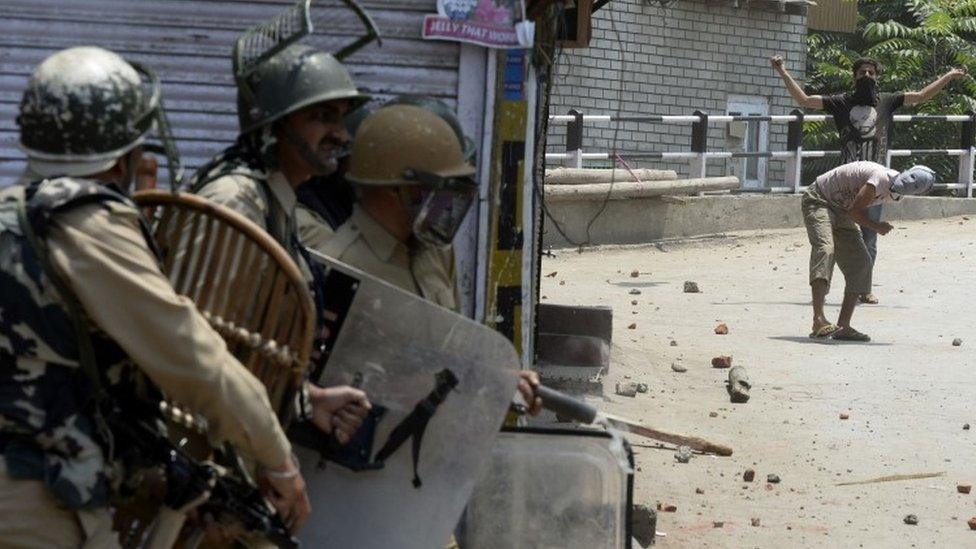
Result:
[910,389]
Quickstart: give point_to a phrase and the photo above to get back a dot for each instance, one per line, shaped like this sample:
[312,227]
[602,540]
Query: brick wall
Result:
[647,59]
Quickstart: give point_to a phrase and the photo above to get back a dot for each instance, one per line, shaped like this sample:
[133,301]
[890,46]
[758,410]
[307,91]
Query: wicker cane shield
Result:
[249,290]
[244,283]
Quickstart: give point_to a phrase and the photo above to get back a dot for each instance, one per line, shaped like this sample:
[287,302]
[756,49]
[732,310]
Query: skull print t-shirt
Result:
[863,128]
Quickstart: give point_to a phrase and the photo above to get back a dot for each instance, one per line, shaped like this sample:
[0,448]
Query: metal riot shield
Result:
[553,488]
[404,483]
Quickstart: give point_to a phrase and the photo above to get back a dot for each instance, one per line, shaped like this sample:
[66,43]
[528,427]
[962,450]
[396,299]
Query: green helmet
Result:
[83,108]
[294,78]
[442,110]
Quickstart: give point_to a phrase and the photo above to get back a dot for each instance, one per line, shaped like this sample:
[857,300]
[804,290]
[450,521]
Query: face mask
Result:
[913,181]
[412,201]
[441,216]
[442,208]
[865,91]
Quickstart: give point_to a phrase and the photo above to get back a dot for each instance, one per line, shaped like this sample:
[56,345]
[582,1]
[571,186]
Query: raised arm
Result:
[801,98]
[928,92]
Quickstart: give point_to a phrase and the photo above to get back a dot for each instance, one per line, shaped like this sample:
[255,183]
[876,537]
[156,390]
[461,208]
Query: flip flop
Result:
[824,331]
[863,298]
[853,335]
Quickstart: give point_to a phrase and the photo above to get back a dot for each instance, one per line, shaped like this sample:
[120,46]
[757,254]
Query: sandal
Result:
[824,331]
[868,299]
[851,335]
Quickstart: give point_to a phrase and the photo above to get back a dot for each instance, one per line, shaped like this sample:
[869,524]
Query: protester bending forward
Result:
[833,207]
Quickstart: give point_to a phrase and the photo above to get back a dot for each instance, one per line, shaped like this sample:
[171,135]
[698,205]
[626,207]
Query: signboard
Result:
[488,23]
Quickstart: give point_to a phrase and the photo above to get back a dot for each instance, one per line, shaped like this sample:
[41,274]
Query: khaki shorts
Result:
[834,236]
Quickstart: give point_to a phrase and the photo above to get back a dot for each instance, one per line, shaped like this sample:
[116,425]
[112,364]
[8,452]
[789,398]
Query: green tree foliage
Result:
[916,41]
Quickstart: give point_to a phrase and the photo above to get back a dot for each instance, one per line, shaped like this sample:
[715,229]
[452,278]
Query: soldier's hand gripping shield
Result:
[86,107]
[445,383]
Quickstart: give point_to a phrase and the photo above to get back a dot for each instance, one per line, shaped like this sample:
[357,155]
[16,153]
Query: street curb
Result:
[646,220]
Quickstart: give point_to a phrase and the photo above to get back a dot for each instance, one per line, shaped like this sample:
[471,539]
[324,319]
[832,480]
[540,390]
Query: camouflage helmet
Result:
[396,144]
[83,108]
[442,110]
[294,78]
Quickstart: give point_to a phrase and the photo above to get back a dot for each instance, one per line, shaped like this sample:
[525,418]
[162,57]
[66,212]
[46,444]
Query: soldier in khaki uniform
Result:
[291,112]
[83,119]
[414,186]
[415,266]
[325,203]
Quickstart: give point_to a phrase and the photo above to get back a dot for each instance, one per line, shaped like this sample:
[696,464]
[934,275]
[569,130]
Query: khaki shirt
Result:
[246,196]
[100,251]
[313,230]
[273,211]
[419,268]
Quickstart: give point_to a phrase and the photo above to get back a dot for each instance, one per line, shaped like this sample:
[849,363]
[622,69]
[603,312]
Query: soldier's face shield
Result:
[443,205]
[155,116]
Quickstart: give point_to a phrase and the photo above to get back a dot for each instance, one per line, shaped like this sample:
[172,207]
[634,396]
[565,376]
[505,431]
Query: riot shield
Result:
[443,384]
[552,488]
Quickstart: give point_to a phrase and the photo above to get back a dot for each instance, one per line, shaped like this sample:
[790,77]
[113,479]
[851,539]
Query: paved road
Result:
[908,392]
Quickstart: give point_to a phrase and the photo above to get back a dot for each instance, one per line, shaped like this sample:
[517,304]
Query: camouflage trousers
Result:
[30,517]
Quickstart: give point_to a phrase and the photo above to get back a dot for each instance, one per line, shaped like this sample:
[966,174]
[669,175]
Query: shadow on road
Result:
[798,304]
[827,341]
[804,304]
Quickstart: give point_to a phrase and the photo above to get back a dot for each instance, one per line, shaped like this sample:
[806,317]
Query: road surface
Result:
[908,393]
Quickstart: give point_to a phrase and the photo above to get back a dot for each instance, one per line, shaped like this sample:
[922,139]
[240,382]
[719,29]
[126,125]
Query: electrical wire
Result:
[616,127]
[543,127]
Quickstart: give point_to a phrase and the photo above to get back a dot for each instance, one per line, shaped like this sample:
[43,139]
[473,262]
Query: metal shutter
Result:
[188,42]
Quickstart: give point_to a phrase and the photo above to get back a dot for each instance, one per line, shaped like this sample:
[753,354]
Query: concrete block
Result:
[572,351]
[594,321]
[637,221]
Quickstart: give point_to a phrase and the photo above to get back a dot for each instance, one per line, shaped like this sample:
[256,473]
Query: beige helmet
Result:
[406,145]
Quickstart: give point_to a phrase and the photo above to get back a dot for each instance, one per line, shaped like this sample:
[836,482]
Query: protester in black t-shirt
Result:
[863,118]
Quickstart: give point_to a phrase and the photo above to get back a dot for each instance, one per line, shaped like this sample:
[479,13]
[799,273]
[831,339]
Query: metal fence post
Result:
[794,144]
[966,163]
[699,144]
[574,140]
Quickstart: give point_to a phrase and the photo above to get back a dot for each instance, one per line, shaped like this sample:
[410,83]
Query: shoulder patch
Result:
[46,197]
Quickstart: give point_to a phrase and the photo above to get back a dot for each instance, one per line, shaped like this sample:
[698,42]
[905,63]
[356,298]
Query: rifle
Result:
[142,443]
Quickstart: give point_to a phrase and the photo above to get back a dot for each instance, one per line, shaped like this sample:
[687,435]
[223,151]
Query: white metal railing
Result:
[698,156]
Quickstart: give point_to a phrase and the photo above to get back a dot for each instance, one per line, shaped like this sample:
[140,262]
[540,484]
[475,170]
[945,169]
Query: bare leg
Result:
[871,242]
[819,290]
[847,310]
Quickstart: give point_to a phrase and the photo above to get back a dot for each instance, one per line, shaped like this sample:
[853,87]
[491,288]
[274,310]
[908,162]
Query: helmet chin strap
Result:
[307,154]
[129,177]
[406,201]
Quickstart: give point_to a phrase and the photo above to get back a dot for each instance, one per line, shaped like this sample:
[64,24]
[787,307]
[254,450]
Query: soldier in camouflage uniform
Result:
[86,316]
[291,111]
